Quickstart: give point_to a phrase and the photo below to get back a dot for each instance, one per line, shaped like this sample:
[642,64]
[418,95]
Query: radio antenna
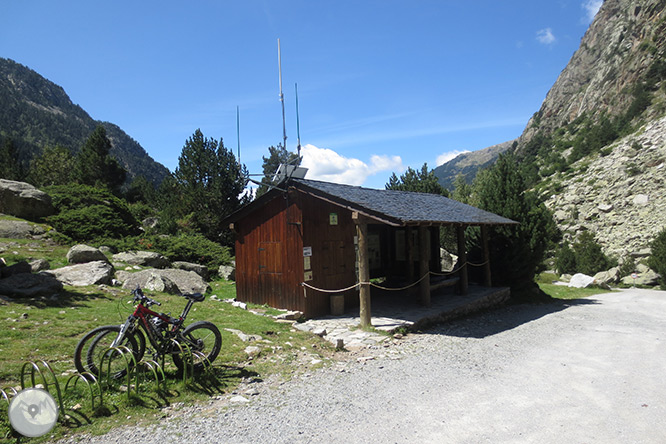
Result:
[284,127]
[238,131]
[298,125]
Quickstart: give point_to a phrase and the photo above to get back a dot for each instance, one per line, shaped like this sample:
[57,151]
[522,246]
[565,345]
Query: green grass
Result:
[49,328]
[568,293]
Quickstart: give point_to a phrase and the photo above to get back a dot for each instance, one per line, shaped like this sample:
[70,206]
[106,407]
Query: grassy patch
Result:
[49,328]
[568,293]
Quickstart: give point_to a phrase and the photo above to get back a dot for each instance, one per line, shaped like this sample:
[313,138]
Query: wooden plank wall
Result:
[333,261]
[269,265]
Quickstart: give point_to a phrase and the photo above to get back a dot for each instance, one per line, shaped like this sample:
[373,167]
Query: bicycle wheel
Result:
[100,355]
[204,341]
[83,347]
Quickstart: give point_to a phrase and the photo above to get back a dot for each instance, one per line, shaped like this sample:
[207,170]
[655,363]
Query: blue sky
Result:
[382,85]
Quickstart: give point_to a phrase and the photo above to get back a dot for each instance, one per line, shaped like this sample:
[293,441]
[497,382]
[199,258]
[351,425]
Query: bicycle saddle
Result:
[195,297]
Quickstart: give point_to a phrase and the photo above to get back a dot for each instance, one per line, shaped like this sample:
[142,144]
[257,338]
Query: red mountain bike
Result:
[165,335]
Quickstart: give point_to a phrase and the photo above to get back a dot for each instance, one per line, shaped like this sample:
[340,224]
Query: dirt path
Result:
[588,372]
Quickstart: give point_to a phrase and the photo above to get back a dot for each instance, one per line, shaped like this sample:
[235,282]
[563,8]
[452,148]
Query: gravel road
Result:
[588,372]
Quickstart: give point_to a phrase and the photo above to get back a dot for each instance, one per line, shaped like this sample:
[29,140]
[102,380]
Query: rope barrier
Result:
[342,290]
[332,291]
[478,265]
[403,288]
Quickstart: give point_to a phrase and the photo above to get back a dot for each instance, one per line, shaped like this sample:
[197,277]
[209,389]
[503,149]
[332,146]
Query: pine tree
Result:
[53,167]
[516,252]
[422,181]
[10,165]
[209,184]
[94,164]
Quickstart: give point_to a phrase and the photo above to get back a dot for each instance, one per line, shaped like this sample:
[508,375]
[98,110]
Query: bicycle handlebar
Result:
[142,298]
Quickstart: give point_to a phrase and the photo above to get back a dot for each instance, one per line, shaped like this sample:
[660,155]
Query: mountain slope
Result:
[598,142]
[626,40]
[469,163]
[36,113]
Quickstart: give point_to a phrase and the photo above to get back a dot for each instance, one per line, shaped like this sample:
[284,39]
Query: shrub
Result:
[85,213]
[565,261]
[657,259]
[590,259]
[183,247]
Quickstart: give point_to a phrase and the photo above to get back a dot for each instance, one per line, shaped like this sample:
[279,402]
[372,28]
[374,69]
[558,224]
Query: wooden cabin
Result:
[305,241]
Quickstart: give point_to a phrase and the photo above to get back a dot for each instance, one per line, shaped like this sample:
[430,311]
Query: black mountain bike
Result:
[166,335]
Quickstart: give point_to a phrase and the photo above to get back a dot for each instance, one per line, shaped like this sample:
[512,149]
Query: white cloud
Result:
[450,155]
[591,8]
[327,165]
[546,36]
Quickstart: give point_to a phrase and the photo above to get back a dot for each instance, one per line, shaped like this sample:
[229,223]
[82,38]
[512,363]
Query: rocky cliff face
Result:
[616,191]
[620,196]
[615,53]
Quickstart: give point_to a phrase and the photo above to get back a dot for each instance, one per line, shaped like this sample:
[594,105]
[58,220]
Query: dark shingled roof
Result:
[399,207]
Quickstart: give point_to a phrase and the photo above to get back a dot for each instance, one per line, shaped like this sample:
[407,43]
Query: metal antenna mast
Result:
[238,131]
[298,125]
[284,127]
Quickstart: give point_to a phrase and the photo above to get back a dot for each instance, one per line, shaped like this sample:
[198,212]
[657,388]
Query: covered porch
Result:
[393,312]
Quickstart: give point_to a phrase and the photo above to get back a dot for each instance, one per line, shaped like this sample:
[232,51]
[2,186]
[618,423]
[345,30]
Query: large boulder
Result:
[80,254]
[142,258]
[20,229]
[80,275]
[17,268]
[201,270]
[580,280]
[28,285]
[22,200]
[185,281]
[607,278]
[648,278]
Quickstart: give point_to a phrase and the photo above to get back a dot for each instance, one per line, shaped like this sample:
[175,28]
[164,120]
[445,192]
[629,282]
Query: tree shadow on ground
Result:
[67,297]
[493,321]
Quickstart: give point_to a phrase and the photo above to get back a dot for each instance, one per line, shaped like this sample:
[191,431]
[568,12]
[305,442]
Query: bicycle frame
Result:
[142,313]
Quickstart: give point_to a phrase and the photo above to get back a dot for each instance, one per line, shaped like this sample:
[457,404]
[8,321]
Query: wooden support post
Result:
[409,246]
[363,273]
[424,266]
[487,281]
[462,259]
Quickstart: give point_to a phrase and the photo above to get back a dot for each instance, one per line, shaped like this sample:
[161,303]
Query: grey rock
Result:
[80,254]
[243,336]
[606,278]
[648,278]
[143,258]
[580,280]
[227,272]
[185,281]
[18,268]
[201,270]
[252,351]
[565,278]
[28,285]
[39,265]
[23,200]
[290,316]
[20,229]
[157,282]
[80,275]
[150,222]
